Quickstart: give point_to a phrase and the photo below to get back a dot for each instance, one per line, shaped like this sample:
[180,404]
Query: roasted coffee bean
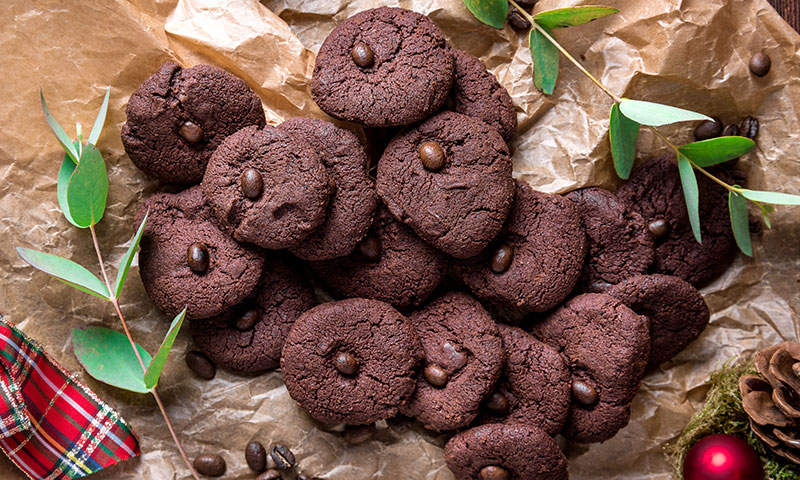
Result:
[457,358]
[498,404]
[270,474]
[197,257]
[749,128]
[252,183]
[191,132]
[346,363]
[211,465]
[283,457]
[517,21]
[658,228]
[200,365]
[431,155]
[362,55]
[493,472]
[501,259]
[256,456]
[435,375]
[584,393]
[708,129]
[730,131]
[760,64]
[248,320]
[370,248]
[358,434]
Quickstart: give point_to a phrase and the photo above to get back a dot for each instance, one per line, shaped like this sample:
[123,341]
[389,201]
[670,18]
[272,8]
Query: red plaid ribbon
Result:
[52,426]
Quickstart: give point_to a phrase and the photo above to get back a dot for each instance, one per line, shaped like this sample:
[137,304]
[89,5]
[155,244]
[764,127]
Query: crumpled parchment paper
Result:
[687,53]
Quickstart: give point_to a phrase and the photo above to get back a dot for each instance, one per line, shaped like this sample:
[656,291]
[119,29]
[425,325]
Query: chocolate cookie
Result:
[606,346]
[383,67]
[534,387]
[267,188]
[478,94]
[391,264]
[619,245]
[506,452]
[354,199]
[178,117]
[677,312]
[351,361]
[249,337]
[186,261]
[449,178]
[655,190]
[463,359]
[536,260]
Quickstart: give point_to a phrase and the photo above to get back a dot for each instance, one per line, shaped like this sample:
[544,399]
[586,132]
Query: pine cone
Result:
[772,400]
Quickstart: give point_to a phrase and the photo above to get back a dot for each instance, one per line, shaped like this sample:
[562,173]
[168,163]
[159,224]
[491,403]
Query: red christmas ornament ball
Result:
[722,457]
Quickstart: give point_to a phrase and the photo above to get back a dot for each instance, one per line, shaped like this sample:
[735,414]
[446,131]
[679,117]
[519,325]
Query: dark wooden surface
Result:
[789,10]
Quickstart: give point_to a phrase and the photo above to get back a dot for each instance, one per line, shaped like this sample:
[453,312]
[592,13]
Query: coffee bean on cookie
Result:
[197,257]
[191,132]
[431,155]
[363,55]
[252,183]
[346,363]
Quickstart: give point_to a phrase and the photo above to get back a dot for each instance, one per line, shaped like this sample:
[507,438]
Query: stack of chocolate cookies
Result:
[586,291]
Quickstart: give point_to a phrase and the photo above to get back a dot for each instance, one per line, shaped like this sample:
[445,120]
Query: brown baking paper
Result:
[690,54]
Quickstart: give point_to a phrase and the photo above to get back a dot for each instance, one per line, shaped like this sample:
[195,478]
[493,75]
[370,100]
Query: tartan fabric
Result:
[52,426]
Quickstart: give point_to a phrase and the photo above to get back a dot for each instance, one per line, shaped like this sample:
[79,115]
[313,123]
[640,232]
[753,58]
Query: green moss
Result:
[723,413]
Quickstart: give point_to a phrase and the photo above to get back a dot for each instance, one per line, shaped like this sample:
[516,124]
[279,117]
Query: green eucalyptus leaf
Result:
[545,61]
[88,188]
[490,12]
[717,150]
[61,135]
[622,133]
[771,197]
[740,222]
[691,194]
[657,114]
[153,372]
[67,167]
[569,17]
[107,356]
[765,211]
[100,120]
[65,270]
[125,263]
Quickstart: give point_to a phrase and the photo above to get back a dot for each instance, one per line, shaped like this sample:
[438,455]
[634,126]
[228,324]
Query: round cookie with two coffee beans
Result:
[390,264]
[448,178]
[267,187]
[654,190]
[353,361]
[505,452]
[606,346]
[186,261]
[383,67]
[534,387]
[178,117]
[477,93]
[353,202]
[463,359]
[677,312]
[619,244]
[249,336]
[536,260]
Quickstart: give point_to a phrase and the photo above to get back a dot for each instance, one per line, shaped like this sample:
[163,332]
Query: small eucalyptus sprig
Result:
[107,355]
[627,116]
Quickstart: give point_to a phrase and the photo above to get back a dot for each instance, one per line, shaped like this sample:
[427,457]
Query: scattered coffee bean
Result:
[197,257]
[493,472]
[283,457]
[584,393]
[256,456]
[431,155]
[749,128]
[370,248]
[252,183]
[456,357]
[191,132]
[755,226]
[501,259]
[658,228]
[760,64]
[435,375]
[708,129]
[200,365]
[498,404]
[358,434]
[346,363]
[248,320]
[730,131]
[517,20]
[211,465]
[270,474]
[362,55]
